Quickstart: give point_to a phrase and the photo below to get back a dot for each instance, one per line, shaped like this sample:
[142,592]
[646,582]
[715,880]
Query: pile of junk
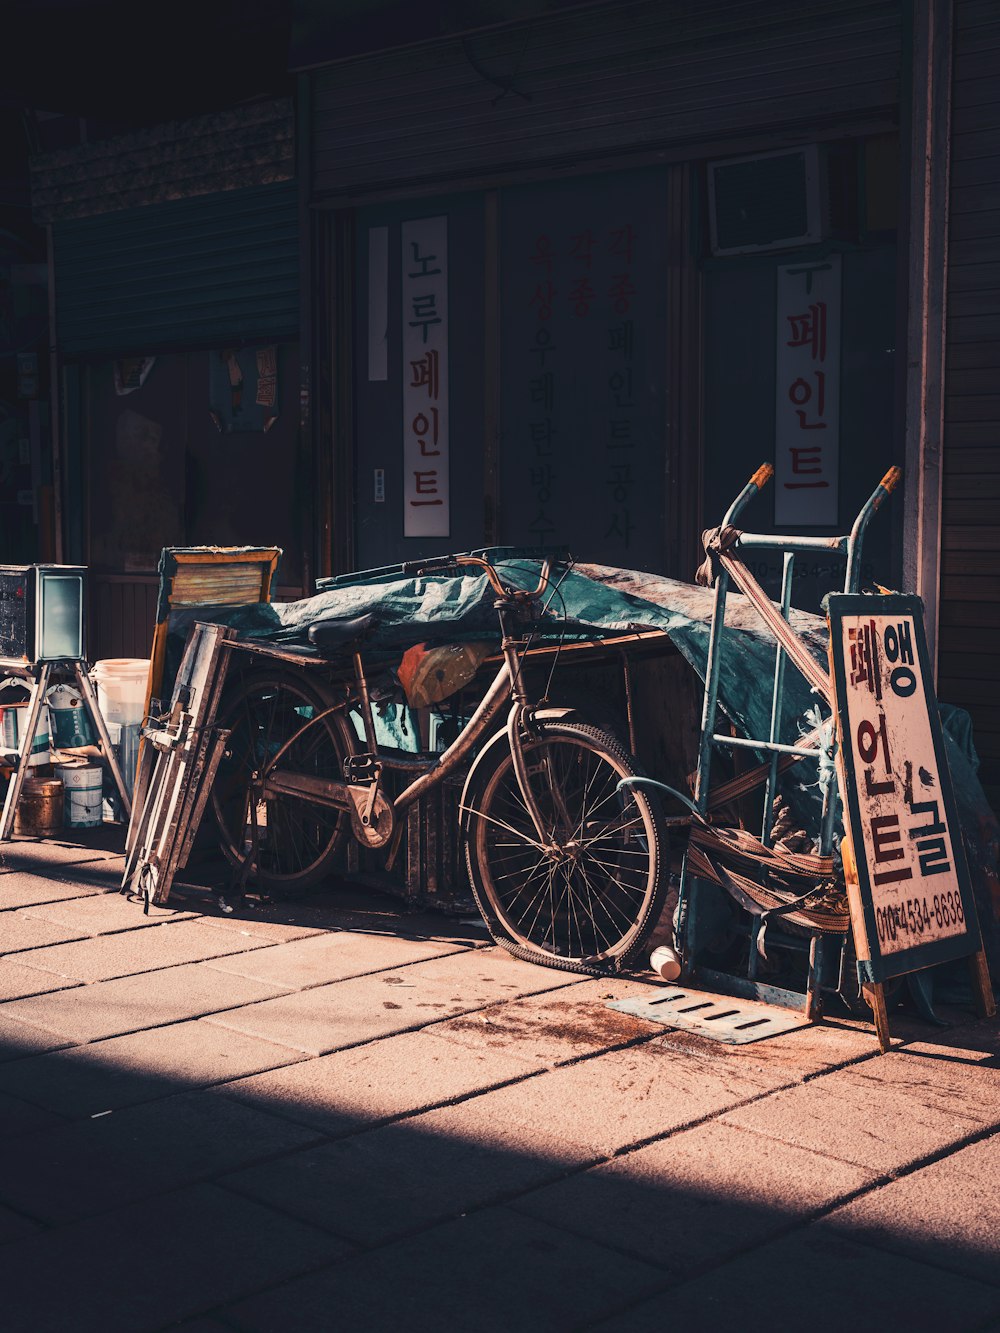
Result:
[390,668]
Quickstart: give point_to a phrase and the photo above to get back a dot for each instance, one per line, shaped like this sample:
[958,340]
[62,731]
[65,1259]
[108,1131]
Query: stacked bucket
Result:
[121,693]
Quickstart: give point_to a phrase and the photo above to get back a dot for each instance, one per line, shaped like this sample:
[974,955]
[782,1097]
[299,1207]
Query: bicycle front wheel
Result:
[586,896]
[297,839]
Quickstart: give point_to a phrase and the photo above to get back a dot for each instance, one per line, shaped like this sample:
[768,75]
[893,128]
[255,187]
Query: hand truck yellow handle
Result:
[762,476]
[891,479]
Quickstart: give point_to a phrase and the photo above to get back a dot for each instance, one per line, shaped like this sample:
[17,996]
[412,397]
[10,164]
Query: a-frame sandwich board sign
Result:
[907,878]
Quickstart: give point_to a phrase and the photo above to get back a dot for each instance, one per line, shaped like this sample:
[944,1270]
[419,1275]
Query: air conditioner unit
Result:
[771,201]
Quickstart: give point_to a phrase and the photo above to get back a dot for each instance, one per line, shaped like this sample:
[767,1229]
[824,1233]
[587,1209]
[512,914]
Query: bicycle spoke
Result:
[598,885]
[296,838]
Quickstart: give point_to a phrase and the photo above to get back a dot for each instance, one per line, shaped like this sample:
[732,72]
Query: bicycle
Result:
[568,868]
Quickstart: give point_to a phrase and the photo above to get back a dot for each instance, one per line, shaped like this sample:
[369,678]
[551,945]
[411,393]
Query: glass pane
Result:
[60,615]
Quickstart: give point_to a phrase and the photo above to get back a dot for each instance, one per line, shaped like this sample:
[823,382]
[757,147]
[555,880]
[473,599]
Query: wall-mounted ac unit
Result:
[772,201]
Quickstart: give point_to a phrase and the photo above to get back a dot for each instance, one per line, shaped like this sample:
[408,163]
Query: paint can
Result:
[39,811]
[68,714]
[13,725]
[121,698]
[83,785]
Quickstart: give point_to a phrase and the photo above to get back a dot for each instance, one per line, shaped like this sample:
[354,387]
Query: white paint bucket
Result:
[121,697]
[121,688]
[82,785]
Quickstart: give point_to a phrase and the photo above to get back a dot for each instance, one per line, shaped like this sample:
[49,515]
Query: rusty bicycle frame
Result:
[375,821]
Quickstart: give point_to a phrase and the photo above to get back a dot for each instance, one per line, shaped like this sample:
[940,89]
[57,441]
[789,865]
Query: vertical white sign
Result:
[807,393]
[378,303]
[425,378]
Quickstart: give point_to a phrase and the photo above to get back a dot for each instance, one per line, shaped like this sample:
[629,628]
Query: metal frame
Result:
[177,768]
[848,548]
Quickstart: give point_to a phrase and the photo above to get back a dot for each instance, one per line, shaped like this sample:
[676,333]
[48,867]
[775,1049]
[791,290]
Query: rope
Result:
[800,886]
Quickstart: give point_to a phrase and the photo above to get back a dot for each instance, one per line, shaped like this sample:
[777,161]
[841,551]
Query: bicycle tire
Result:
[297,839]
[591,906]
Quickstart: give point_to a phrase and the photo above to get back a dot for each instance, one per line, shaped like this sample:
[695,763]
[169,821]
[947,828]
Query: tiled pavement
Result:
[332,1115]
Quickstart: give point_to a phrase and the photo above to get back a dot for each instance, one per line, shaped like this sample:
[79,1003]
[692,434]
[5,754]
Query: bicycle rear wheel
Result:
[587,900]
[297,839]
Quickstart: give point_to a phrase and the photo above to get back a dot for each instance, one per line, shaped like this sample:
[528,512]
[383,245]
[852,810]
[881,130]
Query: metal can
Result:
[39,811]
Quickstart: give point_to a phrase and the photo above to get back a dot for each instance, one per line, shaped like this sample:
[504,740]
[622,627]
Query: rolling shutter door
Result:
[217,268]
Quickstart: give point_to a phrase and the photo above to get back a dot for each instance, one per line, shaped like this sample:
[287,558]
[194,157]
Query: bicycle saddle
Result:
[329,635]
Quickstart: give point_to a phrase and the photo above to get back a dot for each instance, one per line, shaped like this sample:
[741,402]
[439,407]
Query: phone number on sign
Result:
[919,916]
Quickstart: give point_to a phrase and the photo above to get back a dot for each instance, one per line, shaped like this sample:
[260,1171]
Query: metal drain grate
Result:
[720,1017]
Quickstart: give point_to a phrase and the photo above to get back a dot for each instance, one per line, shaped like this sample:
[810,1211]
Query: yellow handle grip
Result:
[892,479]
[762,476]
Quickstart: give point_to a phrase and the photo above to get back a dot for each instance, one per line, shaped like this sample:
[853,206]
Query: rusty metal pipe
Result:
[494,699]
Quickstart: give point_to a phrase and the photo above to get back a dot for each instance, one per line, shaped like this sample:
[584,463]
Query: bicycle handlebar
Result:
[440,562]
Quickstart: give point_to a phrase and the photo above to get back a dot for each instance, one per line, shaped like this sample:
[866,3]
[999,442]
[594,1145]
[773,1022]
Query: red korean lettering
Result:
[809,330]
[425,374]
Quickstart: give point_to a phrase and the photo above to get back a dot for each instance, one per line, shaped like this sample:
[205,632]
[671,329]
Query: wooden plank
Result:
[973,407]
[970,145]
[971,513]
[986,721]
[975,41]
[974,380]
[973,250]
[974,328]
[965,303]
[974,563]
[976,64]
[956,612]
[975,119]
[973,356]
[978,462]
[978,91]
[969,588]
[967,693]
[971,537]
[969,223]
[970,435]
[975,198]
[967,277]
[971,14]
[967,667]
[977,171]
[973,640]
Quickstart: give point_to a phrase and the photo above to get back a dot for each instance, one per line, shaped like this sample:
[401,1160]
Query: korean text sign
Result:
[426,510]
[807,393]
[915,900]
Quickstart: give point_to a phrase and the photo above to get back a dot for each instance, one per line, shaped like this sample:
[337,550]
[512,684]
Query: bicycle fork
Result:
[519,724]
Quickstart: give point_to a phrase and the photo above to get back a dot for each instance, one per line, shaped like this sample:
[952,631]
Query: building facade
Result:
[567,278]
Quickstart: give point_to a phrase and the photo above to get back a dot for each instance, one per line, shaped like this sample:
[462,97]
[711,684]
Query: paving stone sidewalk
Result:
[332,1115]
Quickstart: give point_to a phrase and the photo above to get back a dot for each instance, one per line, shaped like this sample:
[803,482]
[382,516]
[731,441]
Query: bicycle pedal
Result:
[362,768]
